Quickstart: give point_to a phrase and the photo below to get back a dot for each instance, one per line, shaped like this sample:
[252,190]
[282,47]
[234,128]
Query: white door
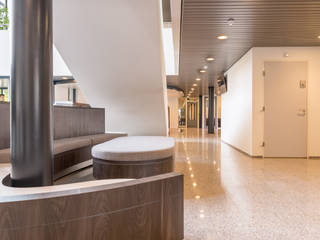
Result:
[285,121]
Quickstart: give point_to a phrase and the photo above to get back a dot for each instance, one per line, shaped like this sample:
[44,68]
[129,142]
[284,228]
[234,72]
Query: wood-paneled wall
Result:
[68,122]
[144,209]
[74,121]
[4,125]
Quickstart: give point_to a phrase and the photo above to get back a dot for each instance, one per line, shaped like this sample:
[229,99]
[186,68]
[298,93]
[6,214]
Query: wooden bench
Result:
[76,131]
[133,157]
[70,154]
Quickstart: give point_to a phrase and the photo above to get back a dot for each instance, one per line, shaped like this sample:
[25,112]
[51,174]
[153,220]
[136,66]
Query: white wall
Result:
[114,50]
[168,50]
[236,106]
[59,66]
[242,118]
[312,56]
[173,103]
[4,53]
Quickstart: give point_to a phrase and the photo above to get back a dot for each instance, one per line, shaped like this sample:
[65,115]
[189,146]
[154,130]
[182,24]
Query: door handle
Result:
[302,112]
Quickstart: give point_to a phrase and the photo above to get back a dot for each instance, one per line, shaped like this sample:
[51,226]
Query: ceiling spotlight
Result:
[202,71]
[205,67]
[198,79]
[319,37]
[230,21]
[192,89]
[222,37]
[194,84]
[210,59]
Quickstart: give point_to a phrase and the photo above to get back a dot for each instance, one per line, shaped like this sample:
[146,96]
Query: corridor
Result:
[229,195]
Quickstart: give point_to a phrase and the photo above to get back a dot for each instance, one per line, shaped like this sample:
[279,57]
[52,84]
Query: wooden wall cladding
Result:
[144,209]
[75,122]
[4,125]
[65,160]
[68,122]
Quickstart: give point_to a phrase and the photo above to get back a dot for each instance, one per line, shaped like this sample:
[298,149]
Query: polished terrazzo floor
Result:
[229,195]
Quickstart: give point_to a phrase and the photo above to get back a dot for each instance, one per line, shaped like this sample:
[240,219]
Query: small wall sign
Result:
[303,84]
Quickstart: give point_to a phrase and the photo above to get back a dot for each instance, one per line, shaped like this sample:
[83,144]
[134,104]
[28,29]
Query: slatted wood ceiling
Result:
[258,23]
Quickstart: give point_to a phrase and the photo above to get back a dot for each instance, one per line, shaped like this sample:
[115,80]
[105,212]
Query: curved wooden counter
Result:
[143,209]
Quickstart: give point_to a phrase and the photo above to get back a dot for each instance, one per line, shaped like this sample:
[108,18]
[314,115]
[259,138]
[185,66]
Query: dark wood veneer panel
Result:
[4,125]
[68,122]
[106,169]
[70,158]
[144,209]
[74,122]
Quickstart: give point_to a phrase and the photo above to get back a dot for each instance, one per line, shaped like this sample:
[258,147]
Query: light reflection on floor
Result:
[229,195]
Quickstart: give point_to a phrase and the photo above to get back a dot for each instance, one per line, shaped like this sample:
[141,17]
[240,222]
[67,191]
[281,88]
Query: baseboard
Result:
[243,152]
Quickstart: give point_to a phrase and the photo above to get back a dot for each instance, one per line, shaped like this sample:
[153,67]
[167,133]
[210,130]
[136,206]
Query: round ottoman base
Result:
[105,169]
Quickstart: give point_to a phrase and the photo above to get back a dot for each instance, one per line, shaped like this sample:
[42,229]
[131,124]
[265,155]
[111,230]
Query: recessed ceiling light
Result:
[202,71]
[195,84]
[198,79]
[192,89]
[210,59]
[319,37]
[205,67]
[222,37]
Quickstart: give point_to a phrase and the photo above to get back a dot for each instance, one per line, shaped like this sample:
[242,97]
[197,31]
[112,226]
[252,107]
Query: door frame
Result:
[192,100]
[307,102]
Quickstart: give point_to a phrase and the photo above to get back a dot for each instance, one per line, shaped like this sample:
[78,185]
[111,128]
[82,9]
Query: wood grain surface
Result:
[143,209]
[105,169]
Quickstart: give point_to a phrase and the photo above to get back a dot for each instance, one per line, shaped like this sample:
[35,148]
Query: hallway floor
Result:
[229,195]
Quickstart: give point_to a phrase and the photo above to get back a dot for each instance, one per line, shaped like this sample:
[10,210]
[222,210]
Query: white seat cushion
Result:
[5,155]
[140,148]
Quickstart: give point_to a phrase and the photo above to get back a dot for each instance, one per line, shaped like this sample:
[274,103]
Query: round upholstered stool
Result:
[133,157]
